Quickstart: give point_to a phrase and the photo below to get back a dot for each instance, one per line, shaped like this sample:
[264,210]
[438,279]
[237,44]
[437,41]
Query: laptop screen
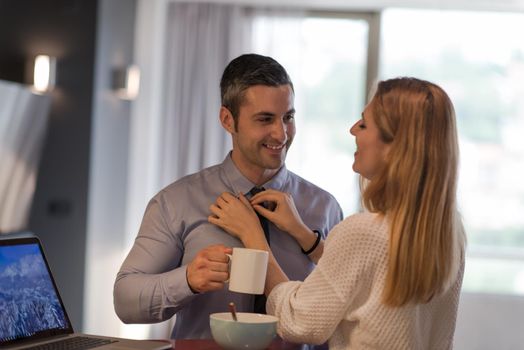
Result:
[29,302]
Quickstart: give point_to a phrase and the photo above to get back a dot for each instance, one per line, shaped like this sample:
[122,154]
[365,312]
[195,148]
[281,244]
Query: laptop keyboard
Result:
[74,343]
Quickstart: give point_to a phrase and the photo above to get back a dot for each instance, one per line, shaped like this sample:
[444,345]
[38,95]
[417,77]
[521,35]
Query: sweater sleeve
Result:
[310,311]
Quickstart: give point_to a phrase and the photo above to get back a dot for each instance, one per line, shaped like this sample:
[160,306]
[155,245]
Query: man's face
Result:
[264,131]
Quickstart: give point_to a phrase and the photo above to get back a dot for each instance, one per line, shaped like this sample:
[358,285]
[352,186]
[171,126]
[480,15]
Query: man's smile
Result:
[274,147]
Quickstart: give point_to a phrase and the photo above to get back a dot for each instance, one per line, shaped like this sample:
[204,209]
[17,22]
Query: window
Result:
[478,58]
[326,58]
[472,57]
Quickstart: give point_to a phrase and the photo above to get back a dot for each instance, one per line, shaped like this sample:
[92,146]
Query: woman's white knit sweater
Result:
[341,300]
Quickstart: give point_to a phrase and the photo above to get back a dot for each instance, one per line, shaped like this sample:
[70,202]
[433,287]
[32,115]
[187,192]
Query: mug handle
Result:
[230,256]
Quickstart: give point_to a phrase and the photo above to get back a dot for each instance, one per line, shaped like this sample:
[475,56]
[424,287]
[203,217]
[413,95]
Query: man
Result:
[178,263]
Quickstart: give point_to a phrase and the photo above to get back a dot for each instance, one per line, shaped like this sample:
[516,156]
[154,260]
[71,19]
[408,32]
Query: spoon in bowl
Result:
[233,311]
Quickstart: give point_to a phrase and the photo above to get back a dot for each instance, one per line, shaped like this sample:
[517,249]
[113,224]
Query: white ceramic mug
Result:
[248,269]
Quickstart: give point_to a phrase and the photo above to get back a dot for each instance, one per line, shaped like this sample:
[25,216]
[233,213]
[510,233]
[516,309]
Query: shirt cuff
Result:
[178,287]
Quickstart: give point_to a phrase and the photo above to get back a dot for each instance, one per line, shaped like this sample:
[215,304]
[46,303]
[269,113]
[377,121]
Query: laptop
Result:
[33,315]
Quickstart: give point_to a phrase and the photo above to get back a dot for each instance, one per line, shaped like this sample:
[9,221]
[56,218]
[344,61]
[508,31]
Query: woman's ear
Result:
[226,119]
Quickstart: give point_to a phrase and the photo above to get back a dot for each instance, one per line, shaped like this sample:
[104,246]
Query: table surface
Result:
[205,344]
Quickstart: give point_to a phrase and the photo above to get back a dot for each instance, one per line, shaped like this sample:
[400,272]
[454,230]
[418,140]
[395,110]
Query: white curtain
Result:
[23,120]
[201,40]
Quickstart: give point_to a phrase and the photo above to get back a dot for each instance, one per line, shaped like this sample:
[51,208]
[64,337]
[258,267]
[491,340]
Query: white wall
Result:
[122,168]
[108,178]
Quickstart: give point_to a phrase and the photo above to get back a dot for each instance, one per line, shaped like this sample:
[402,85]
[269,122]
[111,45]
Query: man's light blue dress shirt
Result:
[151,285]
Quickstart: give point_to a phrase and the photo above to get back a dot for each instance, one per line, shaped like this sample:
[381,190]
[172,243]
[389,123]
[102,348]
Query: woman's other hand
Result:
[279,208]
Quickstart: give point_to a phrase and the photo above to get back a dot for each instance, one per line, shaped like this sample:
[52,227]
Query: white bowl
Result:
[251,331]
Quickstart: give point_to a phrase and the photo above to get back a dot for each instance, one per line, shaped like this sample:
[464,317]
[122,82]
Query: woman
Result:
[390,277]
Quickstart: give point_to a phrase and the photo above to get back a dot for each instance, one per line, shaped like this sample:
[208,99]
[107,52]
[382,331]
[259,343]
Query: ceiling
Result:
[363,5]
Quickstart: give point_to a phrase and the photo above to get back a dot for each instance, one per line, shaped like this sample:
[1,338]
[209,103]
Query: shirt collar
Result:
[240,184]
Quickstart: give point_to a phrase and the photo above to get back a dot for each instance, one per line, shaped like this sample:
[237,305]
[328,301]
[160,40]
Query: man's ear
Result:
[226,119]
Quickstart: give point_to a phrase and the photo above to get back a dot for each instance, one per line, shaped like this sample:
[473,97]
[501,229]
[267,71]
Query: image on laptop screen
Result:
[29,304]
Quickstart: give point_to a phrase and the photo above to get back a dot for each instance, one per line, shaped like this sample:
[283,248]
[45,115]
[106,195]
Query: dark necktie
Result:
[263,221]
[260,300]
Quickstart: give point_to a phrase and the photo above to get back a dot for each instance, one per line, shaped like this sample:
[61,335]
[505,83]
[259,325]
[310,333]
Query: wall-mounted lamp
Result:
[44,73]
[126,82]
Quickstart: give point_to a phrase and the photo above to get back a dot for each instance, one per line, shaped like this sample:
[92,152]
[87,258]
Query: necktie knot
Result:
[256,190]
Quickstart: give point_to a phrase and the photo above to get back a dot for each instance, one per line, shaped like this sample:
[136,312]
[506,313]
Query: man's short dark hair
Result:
[246,71]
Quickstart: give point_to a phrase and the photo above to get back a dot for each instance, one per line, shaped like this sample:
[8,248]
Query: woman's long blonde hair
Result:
[416,190]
